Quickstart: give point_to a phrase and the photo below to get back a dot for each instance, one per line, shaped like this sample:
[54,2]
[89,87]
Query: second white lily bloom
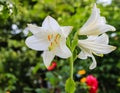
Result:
[96,24]
[97,45]
[50,38]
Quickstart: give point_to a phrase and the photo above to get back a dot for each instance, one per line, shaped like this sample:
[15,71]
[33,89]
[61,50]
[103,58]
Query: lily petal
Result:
[96,24]
[33,28]
[82,55]
[66,30]
[96,29]
[95,47]
[39,32]
[63,51]
[48,57]
[51,25]
[103,39]
[93,17]
[36,44]
[94,63]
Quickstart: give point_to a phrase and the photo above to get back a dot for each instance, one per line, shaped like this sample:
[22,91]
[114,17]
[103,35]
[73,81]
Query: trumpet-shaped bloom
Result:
[96,24]
[97,45]
[50,38]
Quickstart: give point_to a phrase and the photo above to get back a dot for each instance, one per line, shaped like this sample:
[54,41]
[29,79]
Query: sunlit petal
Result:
[36,44]
[39,32]
[103,39]
[63,51]
[34,29]
[96,24]
[66,30]
[51,25]
[94,63]
[93,17]
[48,57]
[97,45]
[82,55]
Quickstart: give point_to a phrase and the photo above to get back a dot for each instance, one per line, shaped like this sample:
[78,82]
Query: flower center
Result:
[54,41]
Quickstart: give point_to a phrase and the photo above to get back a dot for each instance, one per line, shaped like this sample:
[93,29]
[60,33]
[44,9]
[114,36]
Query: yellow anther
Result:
[100,55]
[49,37]
[53,41]
[57,36]
[51,44]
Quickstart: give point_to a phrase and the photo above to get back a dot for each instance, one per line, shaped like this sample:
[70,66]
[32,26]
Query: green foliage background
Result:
[22,69]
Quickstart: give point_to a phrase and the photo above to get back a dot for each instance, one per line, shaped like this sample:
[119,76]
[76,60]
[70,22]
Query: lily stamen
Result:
[49,37]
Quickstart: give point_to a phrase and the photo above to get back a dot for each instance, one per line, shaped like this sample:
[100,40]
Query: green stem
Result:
[70,85]
[71,67]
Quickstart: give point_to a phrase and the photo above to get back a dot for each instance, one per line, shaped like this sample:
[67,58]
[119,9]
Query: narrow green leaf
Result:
[75,55]
[74,44]
[70,86]
[68,42]
[75,41]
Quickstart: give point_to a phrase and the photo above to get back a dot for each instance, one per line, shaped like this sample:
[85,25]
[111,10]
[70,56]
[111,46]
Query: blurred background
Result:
[22,69]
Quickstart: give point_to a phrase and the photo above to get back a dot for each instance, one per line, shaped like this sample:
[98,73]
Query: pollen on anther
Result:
[55,41]
[57,36]
[49,37]
[51,44]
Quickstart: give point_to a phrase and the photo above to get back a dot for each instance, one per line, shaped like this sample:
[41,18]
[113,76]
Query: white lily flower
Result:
[97,45]
[50,38]
[96,24]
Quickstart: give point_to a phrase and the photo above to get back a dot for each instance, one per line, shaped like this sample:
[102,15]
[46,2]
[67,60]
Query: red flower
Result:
[53,66]
[92,82]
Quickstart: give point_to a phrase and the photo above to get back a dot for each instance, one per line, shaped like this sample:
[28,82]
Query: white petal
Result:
[85,52]
[103,39]
[82,55]
[34,29]
[36,44]
[66,30]
[94,63]
[48,57]
[63,51]
[39,32]
[96,48]
[94,16]
[96,24]
[97,29]
[51,25]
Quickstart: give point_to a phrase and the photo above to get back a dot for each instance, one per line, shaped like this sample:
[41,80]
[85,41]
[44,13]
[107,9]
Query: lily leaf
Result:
[70,86]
